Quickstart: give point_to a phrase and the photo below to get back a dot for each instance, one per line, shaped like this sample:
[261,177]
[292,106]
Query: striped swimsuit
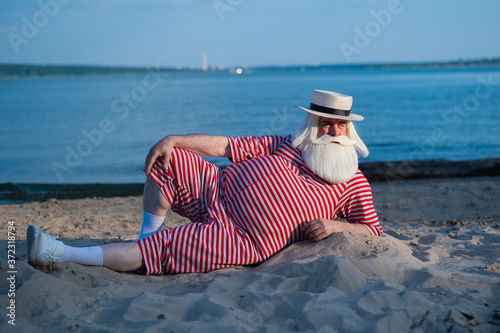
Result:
[250,210]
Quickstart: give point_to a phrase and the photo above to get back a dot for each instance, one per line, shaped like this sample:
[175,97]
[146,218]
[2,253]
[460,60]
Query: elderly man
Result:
[279,190]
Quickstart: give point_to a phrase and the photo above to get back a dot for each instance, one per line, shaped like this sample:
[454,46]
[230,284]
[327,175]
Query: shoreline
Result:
[374,172]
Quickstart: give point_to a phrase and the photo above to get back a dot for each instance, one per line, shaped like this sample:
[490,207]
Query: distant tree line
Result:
[41,70]
[487,62]
[67,70]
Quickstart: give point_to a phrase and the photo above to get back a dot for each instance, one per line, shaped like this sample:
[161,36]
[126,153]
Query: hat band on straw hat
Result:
[325,109]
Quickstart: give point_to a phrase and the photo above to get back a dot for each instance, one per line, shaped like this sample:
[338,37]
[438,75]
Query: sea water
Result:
[98,129]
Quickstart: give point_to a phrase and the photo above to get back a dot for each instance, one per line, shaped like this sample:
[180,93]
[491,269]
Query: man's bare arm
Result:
[201,144]
[321,228]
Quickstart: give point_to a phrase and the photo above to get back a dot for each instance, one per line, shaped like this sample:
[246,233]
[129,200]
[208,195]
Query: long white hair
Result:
[337,162]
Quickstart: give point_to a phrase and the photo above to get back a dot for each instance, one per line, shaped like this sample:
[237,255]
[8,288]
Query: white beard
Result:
[333,158]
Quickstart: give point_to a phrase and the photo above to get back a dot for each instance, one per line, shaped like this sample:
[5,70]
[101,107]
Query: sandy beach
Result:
[435,269]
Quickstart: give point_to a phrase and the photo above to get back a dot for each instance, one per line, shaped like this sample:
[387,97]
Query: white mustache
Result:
[326,139]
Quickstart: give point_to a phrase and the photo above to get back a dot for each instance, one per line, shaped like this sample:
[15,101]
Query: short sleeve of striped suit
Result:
[244,148]
[358,208]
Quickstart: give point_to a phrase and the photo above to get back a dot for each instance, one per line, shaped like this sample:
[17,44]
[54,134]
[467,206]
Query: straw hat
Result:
[330,104]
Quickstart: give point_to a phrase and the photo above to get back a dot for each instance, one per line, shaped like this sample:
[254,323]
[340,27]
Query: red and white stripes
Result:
[249,211]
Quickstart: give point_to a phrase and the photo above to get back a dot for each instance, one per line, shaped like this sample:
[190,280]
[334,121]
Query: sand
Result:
[436,269]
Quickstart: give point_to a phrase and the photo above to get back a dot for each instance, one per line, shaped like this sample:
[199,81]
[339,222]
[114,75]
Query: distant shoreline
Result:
[374,172]
[33,70]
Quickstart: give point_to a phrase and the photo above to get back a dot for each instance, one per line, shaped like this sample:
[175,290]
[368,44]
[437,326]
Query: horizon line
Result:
[177,67]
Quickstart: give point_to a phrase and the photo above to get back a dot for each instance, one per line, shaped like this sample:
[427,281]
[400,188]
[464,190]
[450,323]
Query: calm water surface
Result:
[98,129]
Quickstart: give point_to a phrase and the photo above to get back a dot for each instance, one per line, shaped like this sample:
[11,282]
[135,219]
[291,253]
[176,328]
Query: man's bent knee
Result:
[154,200]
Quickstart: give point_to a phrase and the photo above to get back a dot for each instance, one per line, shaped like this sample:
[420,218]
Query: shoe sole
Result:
[32,237]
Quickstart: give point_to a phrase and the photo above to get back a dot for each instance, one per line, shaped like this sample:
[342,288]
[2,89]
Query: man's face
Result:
[334,127]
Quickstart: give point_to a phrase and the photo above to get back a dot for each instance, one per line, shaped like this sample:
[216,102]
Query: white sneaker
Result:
[43,249]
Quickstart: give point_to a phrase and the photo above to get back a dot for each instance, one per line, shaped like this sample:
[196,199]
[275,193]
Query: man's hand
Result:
[163,148]
[319,229]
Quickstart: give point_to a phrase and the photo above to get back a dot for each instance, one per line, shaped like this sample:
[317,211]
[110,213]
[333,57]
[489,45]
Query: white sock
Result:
[89,256]
[150,224]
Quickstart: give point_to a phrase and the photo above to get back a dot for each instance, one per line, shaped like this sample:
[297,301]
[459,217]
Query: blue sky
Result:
[246,32]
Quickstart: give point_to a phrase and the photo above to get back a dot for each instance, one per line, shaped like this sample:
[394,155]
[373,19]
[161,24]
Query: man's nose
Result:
[333,130]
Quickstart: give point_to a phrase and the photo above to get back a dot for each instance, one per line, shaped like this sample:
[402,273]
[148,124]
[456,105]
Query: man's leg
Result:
[153,200]
[122,257]
[191,185]
[44,250]
[155,208]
